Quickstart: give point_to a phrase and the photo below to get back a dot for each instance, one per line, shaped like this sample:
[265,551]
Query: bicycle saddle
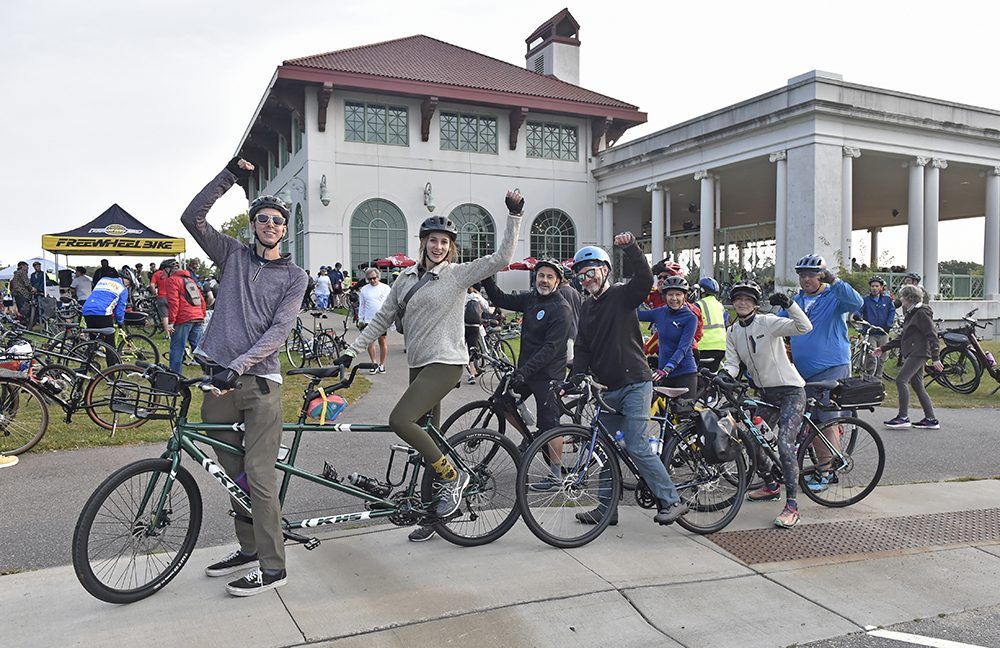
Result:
[825,385]
[317,372]
[108,330]
[671,392]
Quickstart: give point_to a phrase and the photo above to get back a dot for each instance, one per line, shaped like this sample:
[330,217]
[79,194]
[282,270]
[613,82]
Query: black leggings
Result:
[791,403]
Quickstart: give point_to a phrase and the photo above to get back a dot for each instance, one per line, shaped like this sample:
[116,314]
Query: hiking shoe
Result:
[788,518]
[818,483]
[381,368]
[256,582]
[898,422]
[594,517]
[421,534]
[669,514]
[928,424]
[764,494]
[6,461]
[234,562]
[451,494]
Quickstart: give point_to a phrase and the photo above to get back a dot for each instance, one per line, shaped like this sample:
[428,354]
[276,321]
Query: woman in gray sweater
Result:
[429,298]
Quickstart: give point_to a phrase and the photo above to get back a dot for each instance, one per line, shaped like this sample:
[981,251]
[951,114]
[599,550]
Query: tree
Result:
[960,267]
[238,227]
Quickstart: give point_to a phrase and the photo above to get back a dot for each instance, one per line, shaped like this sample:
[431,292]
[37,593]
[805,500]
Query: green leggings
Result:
[428,385]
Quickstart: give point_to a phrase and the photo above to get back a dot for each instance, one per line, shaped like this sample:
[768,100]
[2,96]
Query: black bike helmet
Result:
[912,275]
[675,283]
[748,288]
[273,202]
[439,224]
[811,263]
[876,279]
[169,264]
[553,264]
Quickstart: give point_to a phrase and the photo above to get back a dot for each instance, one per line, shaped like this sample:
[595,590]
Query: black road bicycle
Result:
[964,359]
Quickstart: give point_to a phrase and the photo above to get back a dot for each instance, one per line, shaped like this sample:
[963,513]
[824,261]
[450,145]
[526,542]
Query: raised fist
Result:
[515,202]
[623,239]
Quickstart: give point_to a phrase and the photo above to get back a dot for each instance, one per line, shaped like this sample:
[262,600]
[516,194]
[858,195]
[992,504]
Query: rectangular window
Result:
[552,141]
[272,170]
[468,133]
[296,135]
[282,151]
[376,123]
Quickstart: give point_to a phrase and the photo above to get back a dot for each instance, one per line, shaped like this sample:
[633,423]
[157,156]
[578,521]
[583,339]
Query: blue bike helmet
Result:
[588,256]
[811,263]
[709,285]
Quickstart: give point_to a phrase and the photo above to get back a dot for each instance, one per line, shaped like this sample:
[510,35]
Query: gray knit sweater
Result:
[434,323]
[258,300]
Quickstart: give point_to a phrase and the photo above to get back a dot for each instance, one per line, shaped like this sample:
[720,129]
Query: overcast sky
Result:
[141,103]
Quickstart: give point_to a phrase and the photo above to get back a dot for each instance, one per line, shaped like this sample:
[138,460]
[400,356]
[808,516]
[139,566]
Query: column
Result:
[780,216]
[873,256]
[847,205]
[666,219]
[932,207]
[607,221]
[915,217]
[657,217]
[707,232]
[991,251]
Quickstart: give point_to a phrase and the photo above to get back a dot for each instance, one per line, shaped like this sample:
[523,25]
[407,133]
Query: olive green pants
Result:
[428,385]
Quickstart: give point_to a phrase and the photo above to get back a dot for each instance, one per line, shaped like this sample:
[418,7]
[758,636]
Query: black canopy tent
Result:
[114,232]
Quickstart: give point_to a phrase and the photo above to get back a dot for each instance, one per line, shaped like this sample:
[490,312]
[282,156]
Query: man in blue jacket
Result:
[877,309]
[106,305]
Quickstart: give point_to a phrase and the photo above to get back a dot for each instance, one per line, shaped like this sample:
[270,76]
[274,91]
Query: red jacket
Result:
[179,310]
[159,280]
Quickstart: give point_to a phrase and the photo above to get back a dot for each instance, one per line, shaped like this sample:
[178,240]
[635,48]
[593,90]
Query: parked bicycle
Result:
[139,527]
[964,359]
[318,345]
[863,360]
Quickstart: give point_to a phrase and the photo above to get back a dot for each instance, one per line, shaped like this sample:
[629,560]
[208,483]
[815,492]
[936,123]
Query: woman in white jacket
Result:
[757,340]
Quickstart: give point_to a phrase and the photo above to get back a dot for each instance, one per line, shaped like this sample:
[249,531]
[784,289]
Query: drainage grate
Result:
[861,536]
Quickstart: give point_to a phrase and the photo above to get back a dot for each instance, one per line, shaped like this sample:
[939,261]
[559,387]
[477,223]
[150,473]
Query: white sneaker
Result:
[6,461]
[381,368]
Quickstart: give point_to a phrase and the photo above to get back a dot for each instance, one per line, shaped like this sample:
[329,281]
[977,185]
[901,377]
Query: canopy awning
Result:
[114,232]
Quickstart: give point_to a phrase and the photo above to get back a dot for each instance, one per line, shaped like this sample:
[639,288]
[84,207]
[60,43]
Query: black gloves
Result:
[234,168]
[517,381]
[780,299]
[225,380]
[345,360]
[515,203]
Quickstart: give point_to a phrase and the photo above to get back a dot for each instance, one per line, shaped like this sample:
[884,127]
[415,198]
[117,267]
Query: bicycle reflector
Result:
[325,408]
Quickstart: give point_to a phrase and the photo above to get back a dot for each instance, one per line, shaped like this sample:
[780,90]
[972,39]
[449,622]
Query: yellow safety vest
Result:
[714,335]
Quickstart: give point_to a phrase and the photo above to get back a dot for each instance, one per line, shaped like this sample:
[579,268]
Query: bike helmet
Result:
[554,265]
[695,293]
[273,202]
[912,275]
[709,285]
[589,255]
[169,264]
[439,224]
[876,279]
[810,263]
[748,288]
[675,283]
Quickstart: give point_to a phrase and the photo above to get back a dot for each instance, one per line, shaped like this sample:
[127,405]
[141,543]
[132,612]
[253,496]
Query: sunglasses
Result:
[589,273]
[372,278]
[263,218]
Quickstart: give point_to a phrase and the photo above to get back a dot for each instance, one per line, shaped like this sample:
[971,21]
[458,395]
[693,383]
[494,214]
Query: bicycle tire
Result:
[493,458]
[962,373]
[713,493]
[507,349]
[295,350]
[136,347]
[124,524]
[843,486]
[550,514]
[890,365]
[58,380]
[24,416]
[478,414]
[95,355]
[326,349]
[97,397]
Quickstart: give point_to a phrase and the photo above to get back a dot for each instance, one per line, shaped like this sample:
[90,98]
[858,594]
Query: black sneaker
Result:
[421,534]
[256,582]
[234,562]
[928,424]
[669,514]
[897,422]
[451,494]
[594,517]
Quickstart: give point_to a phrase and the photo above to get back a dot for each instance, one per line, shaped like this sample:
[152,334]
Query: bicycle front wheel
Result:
[138,348]
[125,545]
[295,350]
[24,416]
[962,370]
[489,507]
[555,484]
[713,492]
[841,462]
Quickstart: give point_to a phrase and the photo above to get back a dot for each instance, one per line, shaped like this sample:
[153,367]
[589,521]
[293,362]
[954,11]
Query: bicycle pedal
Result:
[312,544]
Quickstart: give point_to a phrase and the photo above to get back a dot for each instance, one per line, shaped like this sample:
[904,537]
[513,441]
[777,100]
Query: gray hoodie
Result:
[258,299]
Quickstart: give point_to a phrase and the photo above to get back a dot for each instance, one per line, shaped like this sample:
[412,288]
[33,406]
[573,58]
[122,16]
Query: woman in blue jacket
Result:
[676,326]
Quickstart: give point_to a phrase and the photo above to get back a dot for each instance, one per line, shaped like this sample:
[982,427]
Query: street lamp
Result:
[324,192]
[429,198]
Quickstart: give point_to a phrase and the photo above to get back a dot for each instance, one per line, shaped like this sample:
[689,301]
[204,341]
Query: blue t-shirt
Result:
[676,329]
[827,344]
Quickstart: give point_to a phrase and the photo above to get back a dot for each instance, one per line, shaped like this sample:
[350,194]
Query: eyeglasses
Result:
[372,278]
[263,218]
[589,273]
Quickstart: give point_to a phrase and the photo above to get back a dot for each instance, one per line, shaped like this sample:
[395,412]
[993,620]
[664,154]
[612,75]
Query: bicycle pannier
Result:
[717,437]
[858,392]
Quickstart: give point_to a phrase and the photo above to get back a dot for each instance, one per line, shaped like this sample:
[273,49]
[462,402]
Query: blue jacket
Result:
[109,297]
[827,345]
[879,311]
[676,329]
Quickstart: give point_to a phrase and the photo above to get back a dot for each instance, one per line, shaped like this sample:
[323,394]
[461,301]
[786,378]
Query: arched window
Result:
[476,234]
[553,235]
[378,229]
[300,238]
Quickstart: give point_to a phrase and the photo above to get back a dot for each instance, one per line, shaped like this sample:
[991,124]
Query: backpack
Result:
[191,291]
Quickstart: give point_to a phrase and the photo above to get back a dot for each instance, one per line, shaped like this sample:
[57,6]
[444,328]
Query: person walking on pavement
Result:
[917,344]
[428,299]
[757,340]
[712,345]
[877,309]
[323,287]
[261,293]
[185,320]
[370,299]
[609,346]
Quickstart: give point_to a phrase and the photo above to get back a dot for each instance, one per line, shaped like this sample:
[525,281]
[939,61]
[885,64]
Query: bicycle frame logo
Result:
[216,471]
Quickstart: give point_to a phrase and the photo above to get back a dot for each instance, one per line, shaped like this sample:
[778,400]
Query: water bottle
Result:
[620,438]
[369,485]
[765,430]
[990,360]
[655,445]
[526,415]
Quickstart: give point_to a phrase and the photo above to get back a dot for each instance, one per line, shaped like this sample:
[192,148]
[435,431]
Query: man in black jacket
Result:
[609,346]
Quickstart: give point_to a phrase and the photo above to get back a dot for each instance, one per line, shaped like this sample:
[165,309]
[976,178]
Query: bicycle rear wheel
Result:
[97,397]
[841,462]
[489,507]
[552,490]
[138,348]
[713,492]
[962,370]
[295,348]
[125,546]
[24,416]
[326,349]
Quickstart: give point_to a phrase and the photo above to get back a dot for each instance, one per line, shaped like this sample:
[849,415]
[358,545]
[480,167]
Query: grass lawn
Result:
[84,433]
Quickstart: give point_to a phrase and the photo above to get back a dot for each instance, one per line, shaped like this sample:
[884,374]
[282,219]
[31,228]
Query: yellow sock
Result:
[444,469]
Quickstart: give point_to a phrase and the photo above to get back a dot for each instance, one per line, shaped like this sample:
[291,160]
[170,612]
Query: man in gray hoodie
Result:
[260,297]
